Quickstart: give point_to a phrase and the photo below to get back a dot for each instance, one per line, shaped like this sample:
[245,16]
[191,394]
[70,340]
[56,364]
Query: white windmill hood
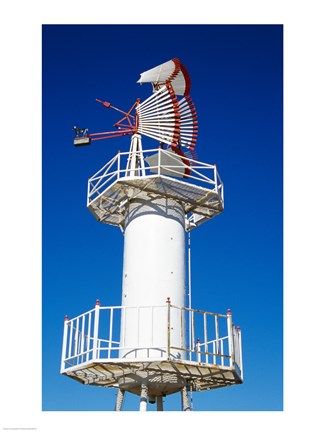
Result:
[172,71]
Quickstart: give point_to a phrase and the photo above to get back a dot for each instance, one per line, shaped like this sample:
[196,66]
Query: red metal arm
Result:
[128,128]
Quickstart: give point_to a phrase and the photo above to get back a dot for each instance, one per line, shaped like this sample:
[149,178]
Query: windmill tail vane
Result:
[168,115]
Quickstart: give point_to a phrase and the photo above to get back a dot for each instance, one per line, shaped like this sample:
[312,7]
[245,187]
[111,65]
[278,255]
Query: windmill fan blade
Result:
[162,116]
[159,116]
[172,71]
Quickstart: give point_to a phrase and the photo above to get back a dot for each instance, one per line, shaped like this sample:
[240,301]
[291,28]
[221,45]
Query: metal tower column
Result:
[159,403]
[153,270]
[120,399]
[144,395]
[185,399]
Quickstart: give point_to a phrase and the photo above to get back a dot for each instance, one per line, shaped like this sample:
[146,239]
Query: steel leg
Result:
[159,403]
[120,399]
[184,399]
[143,400]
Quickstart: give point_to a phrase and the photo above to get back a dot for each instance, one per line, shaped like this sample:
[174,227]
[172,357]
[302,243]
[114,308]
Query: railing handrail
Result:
[109,171]
[198,311]
[83,343]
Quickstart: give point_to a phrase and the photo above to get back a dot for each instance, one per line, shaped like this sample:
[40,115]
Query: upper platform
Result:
[148,174]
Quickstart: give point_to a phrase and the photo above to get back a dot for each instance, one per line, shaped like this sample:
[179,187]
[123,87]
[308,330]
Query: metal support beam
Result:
[159,403]
[184,399]
[120,399]
[143,400]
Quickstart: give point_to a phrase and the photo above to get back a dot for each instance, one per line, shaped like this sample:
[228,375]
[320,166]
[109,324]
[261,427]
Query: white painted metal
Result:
[98,342]
[205,174]
[200,192]
[64,347]
[153,270]
[95,332]
[172,162]
[159,73]
[240,350]
[230,335]
[135,163]
[144,395]
[88,337]
[172,70]
[167,120]
[185,399]
[157,117]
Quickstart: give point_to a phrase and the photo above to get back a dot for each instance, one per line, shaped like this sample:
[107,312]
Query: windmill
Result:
[154,344]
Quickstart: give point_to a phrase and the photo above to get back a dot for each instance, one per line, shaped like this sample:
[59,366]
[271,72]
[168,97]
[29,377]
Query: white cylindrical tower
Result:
[153,270]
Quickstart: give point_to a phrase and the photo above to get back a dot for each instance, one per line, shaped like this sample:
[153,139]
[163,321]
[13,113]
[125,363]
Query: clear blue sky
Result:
[237,258]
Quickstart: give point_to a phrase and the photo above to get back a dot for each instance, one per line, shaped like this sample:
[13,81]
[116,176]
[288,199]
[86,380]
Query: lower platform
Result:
[162,377]
[93,353]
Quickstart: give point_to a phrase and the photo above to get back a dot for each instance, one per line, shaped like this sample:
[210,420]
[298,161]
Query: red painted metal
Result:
[128,128]
[129,123]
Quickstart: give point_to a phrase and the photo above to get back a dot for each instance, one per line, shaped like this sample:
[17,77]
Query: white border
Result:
[21,236]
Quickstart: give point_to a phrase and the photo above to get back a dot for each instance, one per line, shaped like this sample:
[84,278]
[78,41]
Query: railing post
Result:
[88,335]
[118,165]
[198,350]
[65,332]
[159,162]
[169,327]
[192,331]
[82,339]
[217,335]
[88,194]
[240,350]
[230,337]
[110,332]
[95,331]
[205,339]
[215,178]
[76,341]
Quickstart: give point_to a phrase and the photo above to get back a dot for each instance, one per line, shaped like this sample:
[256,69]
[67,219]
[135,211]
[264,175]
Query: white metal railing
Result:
[96,336]
[168,163]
